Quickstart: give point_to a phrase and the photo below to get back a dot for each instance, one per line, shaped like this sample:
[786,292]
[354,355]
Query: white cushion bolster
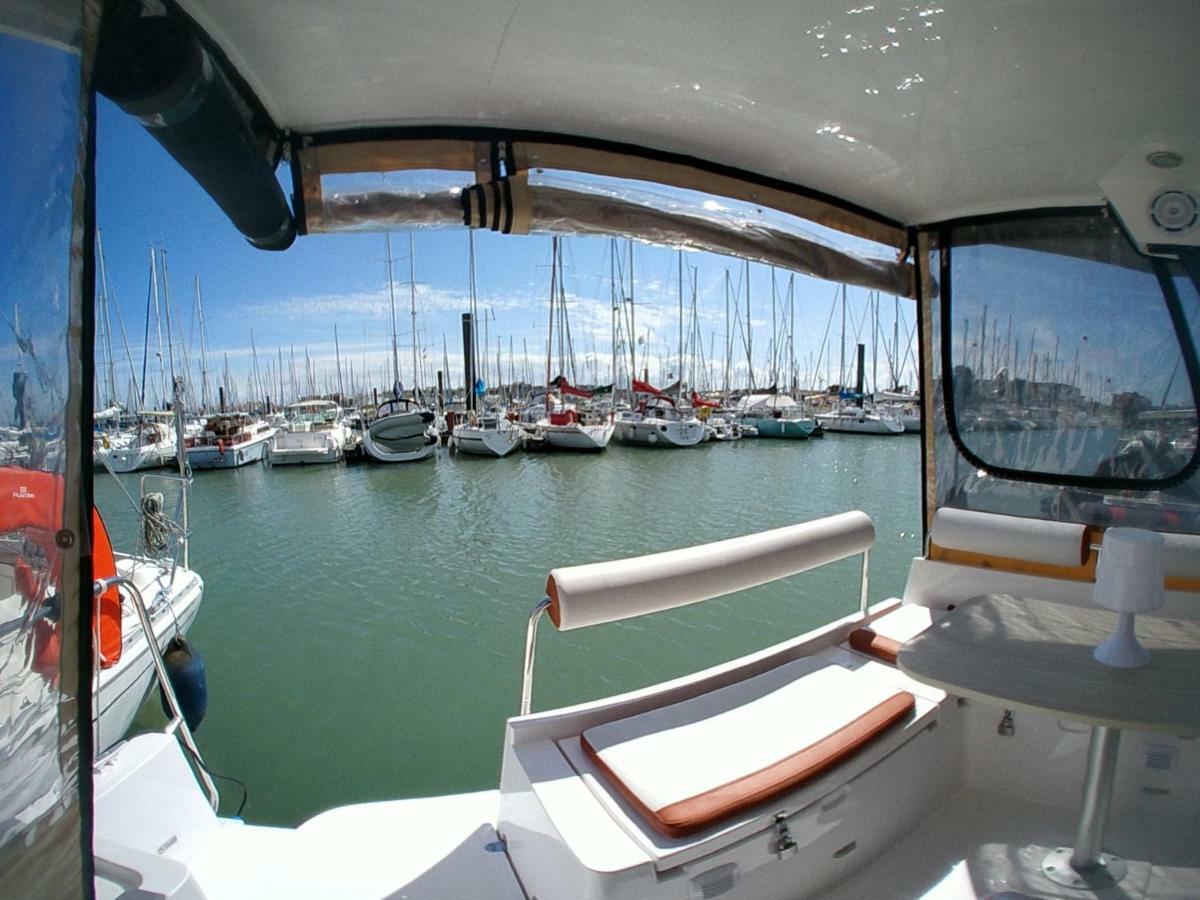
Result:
[610,591]
[1036,540]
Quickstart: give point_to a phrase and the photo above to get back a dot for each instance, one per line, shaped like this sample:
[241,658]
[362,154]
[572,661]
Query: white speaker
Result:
[1174,211]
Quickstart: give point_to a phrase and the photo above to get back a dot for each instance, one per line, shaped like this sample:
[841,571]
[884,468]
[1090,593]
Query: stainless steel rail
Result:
[530,651]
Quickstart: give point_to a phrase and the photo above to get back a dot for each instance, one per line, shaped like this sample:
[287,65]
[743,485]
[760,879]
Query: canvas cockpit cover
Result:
[45,641]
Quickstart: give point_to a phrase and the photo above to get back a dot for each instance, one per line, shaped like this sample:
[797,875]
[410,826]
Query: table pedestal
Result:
[1086,866]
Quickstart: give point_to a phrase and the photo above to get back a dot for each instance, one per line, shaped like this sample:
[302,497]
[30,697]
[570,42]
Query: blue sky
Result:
[293,299]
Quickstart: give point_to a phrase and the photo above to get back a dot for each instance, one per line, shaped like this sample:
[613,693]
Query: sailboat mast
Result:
[632,325]
[167,310]
[162,373]
[749,331]
[205,393]
[842,357]
[728,340]
[612,315]
[896,344]
[112,376]
[392,300]
[679,374]
[793,385]
[550,331]
[412,289]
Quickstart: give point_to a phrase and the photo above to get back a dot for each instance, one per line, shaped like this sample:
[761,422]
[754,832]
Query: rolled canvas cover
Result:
[610,591]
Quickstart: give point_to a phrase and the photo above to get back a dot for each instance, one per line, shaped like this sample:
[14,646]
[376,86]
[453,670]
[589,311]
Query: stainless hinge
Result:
[785,844]
[1006,726]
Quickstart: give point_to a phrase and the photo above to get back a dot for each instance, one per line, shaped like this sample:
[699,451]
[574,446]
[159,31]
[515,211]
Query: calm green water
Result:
[363,625]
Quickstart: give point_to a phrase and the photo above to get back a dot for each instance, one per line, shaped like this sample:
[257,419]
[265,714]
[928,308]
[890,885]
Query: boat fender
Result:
[185,670]
[221,446]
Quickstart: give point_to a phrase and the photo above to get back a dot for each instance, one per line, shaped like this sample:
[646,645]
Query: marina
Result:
[424,570]
[609,459]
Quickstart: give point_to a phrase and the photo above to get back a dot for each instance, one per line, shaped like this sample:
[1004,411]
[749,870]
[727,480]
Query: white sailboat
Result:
[659,420]
[850,419]
[493,433]
[568,425]
[490,434]
[152,446]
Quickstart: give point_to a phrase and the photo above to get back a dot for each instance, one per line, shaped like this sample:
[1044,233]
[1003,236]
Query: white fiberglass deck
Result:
[984,844]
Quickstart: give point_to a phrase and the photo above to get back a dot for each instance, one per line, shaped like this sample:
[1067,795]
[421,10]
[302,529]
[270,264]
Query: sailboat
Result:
[568,425]
[491,433]
[659,420]
[152,445]
[403,428]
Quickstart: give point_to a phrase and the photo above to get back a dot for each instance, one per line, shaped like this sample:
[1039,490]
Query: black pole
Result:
[858,384]
[221,396]
[468,328]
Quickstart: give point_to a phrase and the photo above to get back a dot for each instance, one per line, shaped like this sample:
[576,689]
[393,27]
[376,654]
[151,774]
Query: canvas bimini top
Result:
[907,112]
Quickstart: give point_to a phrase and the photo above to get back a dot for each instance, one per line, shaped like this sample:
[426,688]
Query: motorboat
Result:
[775,416]
[993,163]
[402,431]
[658,422]
[491,434]
[723,428]
[316,433]
[229,440]
[152,446]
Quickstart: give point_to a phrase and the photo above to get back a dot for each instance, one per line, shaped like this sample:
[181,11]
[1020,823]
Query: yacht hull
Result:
[658,433]
[789,429]
[215,457]
[486,441]
[412,449]
[300,448]
[172,602]
[866,423]
[133,459]
[577,437]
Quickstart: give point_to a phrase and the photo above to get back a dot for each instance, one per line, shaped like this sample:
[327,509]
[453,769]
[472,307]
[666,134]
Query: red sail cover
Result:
[567,389]
[642,387]
[31,501]
[697,400]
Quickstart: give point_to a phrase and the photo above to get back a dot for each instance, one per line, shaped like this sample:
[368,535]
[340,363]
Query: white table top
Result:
[1030,654]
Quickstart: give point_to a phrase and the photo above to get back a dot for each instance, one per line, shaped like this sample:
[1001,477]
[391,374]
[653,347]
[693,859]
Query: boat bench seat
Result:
[883,637]
[687,766]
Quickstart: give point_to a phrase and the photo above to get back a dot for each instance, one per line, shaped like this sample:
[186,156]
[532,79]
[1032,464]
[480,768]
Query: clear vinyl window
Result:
[1067,359]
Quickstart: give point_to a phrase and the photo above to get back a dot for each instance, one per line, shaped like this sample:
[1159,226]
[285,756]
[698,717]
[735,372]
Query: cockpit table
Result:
[1023,653]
